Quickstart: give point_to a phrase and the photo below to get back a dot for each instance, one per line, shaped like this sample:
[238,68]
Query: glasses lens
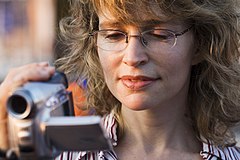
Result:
[110,40]
[158,39]
[114,40]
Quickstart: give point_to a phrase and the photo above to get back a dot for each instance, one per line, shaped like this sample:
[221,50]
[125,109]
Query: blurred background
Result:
[28,33]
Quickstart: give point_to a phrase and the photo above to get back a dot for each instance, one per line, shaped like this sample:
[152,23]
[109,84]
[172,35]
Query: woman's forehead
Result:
[108,20]
[131,18]
[129,13]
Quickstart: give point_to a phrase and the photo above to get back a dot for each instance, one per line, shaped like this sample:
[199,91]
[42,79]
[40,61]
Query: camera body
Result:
[30,107]
[42,122]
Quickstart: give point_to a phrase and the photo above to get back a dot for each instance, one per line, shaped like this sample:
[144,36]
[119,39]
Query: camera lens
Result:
[19,105]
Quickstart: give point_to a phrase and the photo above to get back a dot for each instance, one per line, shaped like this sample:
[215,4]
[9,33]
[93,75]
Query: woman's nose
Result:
[135,53]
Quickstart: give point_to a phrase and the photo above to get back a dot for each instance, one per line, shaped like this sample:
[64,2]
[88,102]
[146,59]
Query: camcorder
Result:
[42,122]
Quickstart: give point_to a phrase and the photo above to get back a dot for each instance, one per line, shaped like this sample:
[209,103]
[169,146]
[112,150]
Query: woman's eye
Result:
[115,36]
[160,35]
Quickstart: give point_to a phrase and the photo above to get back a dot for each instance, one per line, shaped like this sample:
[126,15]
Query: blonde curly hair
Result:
[214,92]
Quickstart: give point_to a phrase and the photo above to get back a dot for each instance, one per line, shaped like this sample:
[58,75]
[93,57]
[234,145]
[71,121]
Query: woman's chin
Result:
[136,105]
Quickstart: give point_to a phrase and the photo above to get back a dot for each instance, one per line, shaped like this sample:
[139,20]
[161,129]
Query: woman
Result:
[163,74]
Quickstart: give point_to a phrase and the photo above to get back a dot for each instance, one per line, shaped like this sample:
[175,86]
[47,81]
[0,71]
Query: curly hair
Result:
[215,81]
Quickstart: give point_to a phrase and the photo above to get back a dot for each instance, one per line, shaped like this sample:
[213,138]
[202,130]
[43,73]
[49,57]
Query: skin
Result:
[153,90]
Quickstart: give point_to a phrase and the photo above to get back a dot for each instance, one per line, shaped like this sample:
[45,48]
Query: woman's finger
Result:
[21,75]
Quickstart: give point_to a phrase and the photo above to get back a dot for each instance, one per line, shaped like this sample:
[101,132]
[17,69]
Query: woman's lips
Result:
[136,82]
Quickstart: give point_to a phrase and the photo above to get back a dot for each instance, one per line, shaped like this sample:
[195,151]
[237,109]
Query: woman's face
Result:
[142,78]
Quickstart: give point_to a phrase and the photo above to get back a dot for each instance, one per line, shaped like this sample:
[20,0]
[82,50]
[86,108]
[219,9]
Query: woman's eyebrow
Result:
[152,22]
[142,24]
[158,23]
[109,24]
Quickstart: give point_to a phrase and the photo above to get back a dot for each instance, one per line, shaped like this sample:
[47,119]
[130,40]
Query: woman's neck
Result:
[159,131]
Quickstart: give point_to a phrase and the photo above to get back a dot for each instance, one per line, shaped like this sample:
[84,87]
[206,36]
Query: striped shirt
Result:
[209,152]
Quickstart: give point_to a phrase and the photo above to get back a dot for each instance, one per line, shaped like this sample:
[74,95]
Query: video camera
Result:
[42,122]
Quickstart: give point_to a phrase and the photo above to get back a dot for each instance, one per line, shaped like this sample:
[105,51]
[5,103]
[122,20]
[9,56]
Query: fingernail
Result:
[43,63]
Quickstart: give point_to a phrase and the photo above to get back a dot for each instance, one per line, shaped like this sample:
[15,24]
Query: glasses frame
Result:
[140,36]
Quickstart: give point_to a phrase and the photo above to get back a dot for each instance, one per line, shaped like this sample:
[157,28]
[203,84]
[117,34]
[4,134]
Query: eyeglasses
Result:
[154,39]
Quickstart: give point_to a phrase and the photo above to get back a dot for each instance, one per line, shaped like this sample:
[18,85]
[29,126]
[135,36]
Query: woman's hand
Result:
[16,78]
